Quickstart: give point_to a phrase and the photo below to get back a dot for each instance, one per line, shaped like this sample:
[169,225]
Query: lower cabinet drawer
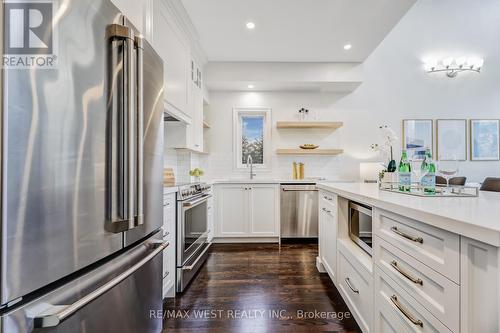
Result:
[435,292]
[168,266]
[436,248]
[397,311]
[356,288]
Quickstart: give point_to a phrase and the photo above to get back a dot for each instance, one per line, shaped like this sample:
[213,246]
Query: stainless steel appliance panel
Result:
[151,70]
[131,287]
[192,228]
[187,272]
[360,226]
[299,211]
[54,145]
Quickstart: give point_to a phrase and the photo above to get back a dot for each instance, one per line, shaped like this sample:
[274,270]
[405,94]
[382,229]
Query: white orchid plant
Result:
[385,149]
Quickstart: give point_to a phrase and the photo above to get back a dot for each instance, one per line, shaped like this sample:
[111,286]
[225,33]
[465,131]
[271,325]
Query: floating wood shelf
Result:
[205,124]
[333,125]
[294,151]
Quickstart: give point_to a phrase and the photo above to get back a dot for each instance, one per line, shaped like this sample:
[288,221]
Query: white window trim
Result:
[266,112]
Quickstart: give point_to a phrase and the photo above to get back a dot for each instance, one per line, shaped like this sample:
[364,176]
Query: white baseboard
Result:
[220,240]
[319,265]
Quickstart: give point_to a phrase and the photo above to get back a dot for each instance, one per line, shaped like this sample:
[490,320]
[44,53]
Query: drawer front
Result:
[327,200]
[435,292]
[169,216]
[437,248]
[396,310]
[168,266]
[356,288]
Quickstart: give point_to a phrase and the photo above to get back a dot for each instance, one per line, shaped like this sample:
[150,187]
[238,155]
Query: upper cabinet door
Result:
[173,46]
[136,11]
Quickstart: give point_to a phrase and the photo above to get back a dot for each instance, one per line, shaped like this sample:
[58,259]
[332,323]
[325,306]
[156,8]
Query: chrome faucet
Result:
[250,162]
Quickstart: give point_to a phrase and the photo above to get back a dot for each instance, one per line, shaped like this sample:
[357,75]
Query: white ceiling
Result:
[293,30]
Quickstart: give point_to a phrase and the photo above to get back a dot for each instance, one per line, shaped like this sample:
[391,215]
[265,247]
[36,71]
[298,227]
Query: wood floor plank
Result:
[275,284]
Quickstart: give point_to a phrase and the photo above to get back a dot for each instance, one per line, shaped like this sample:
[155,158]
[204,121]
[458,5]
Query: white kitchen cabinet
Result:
[188,136]
[247,210]
[263,210]
[173,46]
[232,210]
[138,12]
[328,233]
[197,112]
[480,287]
[210,218]
[169,222]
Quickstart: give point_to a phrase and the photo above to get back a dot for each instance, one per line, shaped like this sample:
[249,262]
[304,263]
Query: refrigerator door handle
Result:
[58,313]
[140,131]
[126,199]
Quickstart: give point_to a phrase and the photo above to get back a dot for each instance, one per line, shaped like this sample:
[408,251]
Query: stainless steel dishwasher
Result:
[299,211]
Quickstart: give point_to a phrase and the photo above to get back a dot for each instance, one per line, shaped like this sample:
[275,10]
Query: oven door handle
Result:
[193,265]
[191,204]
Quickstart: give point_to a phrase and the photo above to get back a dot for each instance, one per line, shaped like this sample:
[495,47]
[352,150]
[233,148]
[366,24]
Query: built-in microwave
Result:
[360,225]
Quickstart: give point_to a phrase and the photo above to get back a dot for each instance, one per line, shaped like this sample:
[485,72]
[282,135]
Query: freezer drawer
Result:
[299,211]
[129,297]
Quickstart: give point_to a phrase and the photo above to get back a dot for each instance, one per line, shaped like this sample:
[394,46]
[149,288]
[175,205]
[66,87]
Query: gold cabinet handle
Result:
[394,264]
[354,290]
[410,317]
[402,234]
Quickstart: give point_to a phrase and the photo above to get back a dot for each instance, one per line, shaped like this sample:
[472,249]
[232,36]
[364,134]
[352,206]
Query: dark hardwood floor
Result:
[260,288]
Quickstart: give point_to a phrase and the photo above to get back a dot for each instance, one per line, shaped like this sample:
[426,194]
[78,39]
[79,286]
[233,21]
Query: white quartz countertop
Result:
[477,218]
[170,189]
[271,181]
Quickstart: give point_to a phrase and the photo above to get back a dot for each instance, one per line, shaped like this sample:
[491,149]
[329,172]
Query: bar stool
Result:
[457,181]
[491,184]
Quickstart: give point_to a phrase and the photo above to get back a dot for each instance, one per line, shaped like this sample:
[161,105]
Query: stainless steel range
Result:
[192,231]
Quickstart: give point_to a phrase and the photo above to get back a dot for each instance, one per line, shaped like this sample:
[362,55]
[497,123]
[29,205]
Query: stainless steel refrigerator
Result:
[81,175]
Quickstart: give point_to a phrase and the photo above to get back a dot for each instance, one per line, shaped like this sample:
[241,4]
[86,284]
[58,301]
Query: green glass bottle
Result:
[428,169]
[404,171]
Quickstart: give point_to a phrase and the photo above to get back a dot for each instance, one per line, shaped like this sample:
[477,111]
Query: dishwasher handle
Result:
[299,188]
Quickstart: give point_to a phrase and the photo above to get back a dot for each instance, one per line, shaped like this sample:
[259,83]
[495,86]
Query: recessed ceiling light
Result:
[250,86]
[250,25]
[347,47]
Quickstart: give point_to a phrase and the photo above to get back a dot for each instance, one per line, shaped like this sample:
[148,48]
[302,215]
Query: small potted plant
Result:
[388,174]
[196,173]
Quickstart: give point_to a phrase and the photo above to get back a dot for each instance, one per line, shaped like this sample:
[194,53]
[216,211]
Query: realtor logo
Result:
[29,34]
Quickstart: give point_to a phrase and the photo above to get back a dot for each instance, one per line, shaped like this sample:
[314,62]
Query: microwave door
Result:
[360,226]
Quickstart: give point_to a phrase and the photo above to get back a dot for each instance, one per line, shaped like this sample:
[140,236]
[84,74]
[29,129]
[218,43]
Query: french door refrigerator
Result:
[81,172]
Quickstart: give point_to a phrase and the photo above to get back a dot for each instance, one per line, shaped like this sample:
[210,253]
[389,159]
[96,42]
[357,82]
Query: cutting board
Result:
[168,177]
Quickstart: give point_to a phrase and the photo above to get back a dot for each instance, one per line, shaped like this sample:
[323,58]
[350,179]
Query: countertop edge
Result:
[170,189]
[463,228]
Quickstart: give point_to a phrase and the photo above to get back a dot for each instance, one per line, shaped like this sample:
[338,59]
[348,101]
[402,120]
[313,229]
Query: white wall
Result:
[395,87]
[284,107]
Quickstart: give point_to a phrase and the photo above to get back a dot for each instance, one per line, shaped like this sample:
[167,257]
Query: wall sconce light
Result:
[453,66]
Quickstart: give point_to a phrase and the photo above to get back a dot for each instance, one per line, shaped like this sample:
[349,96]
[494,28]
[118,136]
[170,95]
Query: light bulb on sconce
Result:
[447,62]
[452,66]
[461,62]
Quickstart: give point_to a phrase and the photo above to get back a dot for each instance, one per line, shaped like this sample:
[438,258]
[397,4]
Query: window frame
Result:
[238,112]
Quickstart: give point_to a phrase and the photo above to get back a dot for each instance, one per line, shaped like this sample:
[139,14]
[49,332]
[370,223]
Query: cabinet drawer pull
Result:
[326,210]
[402,234]
[398,305]
[327,198]
[394,264]
[354,290]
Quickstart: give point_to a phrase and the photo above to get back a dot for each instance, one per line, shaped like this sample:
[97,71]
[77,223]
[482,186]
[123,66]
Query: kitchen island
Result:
[434,263]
